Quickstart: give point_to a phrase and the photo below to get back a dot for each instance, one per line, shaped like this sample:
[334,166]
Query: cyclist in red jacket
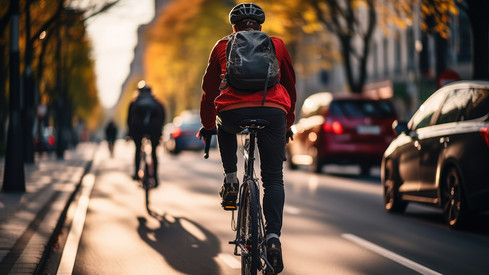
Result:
[231,106]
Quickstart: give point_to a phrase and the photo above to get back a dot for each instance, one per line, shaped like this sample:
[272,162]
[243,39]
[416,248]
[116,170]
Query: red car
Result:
[342,129]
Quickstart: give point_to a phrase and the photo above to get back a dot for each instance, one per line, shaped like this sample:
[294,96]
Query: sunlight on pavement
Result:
[291,210]
[193,230]
[313,183]
[230,260]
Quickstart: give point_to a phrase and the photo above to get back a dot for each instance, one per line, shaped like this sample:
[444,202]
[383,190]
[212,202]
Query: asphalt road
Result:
[334,223]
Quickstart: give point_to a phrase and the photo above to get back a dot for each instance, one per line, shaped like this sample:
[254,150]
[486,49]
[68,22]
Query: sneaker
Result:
[274,255]
[229,194]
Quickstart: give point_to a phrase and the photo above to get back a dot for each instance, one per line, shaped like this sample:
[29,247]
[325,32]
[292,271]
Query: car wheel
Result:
[392,200]
[316,165]
[365,170]
[291,164]
[452,199]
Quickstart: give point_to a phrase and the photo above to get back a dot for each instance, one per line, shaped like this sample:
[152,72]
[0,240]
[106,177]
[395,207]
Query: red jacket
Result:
[282,95]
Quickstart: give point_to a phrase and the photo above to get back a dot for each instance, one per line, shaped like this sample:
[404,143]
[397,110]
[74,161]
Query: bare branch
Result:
[106,7]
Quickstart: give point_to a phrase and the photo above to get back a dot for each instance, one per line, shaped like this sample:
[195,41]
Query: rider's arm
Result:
[210,90]
[287,77]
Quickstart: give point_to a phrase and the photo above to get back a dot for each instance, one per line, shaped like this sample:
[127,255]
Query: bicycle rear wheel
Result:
[249,230]
[148,183]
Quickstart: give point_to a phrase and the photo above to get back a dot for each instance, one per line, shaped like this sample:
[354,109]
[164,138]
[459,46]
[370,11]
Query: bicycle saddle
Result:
[252,123]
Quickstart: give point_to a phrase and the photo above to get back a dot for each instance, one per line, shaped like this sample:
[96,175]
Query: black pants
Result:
[271,147]
[137,159]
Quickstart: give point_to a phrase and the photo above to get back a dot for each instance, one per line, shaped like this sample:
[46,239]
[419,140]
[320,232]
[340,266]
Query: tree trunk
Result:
[28,108]
[14,177]
[441,48]
[479,21]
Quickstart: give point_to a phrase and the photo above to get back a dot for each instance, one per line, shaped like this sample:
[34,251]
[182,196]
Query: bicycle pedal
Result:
[230,207]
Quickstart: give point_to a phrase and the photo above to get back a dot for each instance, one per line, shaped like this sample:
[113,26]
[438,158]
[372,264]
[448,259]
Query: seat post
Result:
[251,152]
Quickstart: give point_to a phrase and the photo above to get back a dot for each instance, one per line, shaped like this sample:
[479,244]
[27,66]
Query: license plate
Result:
[368,129]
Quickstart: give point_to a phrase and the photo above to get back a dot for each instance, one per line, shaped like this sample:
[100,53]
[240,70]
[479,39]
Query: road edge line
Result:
[70,248]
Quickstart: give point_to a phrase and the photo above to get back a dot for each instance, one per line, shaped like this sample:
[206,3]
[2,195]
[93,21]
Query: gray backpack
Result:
[252,63]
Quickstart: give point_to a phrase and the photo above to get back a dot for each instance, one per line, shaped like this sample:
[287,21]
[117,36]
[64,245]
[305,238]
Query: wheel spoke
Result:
[452,198]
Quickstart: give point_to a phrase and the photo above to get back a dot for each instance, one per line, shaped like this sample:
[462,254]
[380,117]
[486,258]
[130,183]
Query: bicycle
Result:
[250,229]
[146,170]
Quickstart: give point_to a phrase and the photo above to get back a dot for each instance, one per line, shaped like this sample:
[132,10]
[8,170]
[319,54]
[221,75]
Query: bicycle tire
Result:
[249,230]
[147,184]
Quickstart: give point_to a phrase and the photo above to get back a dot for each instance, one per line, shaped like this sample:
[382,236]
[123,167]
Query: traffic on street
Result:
[334,223]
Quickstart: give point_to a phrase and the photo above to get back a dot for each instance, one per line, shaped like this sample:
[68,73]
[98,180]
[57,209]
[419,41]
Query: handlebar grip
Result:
[207,142]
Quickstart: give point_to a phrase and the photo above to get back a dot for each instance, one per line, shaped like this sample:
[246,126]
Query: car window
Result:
[454,106]
[422,117]
[357,108]
[478,105]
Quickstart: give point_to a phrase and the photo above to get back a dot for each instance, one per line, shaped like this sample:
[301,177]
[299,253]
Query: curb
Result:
[62,218]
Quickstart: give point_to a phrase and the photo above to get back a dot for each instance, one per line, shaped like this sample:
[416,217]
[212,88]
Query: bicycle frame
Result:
[250,229]
[146,169]
[249,193]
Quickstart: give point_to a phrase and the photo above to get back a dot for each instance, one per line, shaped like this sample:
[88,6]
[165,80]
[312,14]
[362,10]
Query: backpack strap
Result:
[268,74]
[266,83]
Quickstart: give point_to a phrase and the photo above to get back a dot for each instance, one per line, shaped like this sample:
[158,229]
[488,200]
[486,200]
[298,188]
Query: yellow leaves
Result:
[453,9]
[178,47]
[312,23]
[400,13]
[440,12]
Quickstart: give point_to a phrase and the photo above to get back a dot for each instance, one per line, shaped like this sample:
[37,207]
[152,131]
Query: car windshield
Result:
[188,121]
[357,108]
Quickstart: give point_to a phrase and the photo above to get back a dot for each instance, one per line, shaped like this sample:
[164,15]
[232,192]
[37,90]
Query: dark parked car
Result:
[441,157]
[180,135]
[341,129]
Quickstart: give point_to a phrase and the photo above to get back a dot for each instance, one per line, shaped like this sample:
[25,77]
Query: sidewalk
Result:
[29,219]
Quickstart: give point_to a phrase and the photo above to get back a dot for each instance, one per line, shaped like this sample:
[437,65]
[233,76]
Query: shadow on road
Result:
[478,223]
[185,245]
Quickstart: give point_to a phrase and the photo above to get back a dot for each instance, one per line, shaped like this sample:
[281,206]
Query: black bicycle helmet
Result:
[246,10]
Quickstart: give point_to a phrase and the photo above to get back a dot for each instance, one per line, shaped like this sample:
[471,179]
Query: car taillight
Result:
[334,127]
[485,134]
[176,132]
[51,140]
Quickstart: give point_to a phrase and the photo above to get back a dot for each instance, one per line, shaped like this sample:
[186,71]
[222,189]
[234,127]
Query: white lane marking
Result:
[230,260]
[291,210]
[390,255]
[71,247]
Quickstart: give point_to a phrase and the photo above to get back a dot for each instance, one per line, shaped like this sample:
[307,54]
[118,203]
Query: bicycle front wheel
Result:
[249,229]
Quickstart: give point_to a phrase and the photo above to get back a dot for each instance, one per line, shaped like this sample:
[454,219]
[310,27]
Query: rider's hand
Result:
[289,136]
[204,133]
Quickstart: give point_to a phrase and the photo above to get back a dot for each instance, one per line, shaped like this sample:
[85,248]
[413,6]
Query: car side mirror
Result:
[400,127]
